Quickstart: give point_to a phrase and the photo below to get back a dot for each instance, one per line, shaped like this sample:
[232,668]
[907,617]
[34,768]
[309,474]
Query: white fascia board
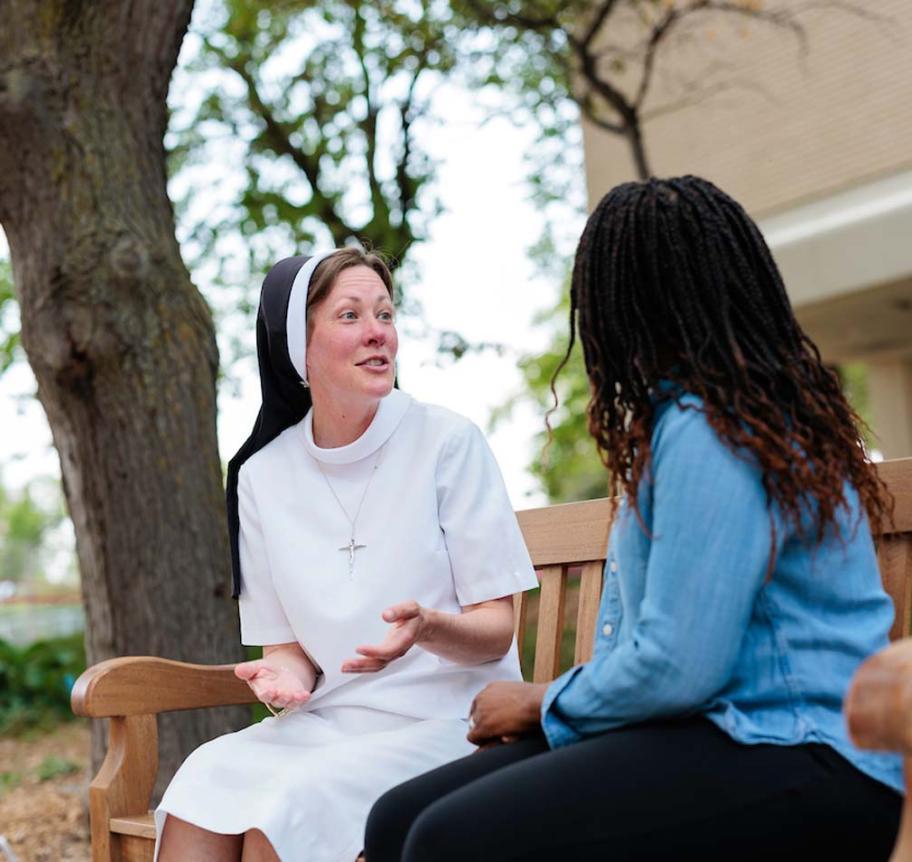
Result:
[846,242]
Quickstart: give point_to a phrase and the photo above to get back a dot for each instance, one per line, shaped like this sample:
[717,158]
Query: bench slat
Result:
[569,533]
[520,611]
[141,825]
[550,622]
[590,595]
[135,848]
[898,476]
[894,555]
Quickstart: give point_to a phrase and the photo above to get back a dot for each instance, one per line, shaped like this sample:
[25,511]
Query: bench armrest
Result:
[131,691]
[145,685]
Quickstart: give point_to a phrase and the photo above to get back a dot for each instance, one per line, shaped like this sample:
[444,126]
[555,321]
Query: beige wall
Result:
[838,116]
[818,148]
[890,385]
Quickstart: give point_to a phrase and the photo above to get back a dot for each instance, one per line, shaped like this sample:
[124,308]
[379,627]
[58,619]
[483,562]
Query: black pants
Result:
[669,791]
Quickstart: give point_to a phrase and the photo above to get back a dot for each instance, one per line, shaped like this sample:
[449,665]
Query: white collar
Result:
[387,418]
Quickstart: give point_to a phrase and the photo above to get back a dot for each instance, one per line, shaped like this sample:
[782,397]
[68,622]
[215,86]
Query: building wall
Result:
[817,146]
[794,126]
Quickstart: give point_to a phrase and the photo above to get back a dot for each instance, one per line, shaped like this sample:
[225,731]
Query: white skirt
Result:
[309,779]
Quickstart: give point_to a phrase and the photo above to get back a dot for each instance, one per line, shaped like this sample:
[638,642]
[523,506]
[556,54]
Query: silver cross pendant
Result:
[351,547]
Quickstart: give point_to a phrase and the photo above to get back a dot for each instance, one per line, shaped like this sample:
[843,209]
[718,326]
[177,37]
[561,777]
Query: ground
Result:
[43,794]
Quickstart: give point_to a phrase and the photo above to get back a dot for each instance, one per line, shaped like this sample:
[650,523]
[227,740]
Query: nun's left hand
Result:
[408,621]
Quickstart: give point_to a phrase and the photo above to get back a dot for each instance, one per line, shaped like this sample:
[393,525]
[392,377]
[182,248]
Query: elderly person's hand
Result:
[408,620]
[504,711]
[878,706]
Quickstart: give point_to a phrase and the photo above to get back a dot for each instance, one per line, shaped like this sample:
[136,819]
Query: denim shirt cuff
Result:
[556,729]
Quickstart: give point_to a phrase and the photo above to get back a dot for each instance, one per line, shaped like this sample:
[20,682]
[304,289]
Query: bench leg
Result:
[123,785]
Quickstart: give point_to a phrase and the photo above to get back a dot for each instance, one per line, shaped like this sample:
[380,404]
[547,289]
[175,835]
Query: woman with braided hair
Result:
[741,584]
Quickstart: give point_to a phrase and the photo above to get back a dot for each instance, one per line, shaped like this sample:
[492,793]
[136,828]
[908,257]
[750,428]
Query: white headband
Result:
[296,319]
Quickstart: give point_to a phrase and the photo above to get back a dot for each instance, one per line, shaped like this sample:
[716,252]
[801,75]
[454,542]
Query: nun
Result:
[375,553]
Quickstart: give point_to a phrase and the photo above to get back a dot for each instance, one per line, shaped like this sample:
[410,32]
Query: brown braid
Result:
[673,280]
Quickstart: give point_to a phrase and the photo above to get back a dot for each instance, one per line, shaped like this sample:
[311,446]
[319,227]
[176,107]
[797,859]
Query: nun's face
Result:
[352,341]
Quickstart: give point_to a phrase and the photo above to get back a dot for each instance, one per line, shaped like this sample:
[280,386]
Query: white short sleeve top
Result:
[436,525]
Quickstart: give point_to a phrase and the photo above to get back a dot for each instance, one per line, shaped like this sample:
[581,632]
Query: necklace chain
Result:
[352,546]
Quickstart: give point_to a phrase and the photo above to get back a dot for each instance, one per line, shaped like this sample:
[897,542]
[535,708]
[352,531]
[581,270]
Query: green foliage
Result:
[24,526]
[10,348]
[319,102]
[854,379]
[531,68]
[568,466]
[54,766]
[301,124]
[35,682]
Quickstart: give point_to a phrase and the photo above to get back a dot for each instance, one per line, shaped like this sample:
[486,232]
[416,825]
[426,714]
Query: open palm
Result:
[277,686]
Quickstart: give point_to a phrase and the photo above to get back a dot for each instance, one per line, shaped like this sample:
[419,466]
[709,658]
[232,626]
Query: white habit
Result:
[437,527]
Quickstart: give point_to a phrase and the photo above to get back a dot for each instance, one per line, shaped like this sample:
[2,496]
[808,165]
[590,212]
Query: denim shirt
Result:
[689,622]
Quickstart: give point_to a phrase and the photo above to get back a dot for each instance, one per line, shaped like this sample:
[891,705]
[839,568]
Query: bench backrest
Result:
[568,544]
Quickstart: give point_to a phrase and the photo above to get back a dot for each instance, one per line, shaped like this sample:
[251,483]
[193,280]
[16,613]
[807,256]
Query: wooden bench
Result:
[567,544]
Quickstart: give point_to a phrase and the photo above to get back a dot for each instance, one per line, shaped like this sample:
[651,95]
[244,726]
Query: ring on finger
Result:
[471,722]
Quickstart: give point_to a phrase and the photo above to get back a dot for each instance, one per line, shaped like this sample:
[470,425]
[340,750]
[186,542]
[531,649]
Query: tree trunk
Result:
[121,342]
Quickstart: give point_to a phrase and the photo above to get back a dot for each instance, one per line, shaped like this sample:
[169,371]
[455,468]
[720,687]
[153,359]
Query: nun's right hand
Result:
[276,686]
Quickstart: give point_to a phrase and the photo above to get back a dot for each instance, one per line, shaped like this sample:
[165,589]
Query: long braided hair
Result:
[673,281]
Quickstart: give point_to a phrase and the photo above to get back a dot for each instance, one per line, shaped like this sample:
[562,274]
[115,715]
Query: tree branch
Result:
[785,19]
[700,96]
[404,183]
[485,13]
[595,25]
[279,140]
[368,124]
[778,18]
[659,32]
[847,8]
[590,112]
[588,69]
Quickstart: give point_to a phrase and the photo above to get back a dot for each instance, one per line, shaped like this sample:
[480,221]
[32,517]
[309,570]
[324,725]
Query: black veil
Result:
[285,399]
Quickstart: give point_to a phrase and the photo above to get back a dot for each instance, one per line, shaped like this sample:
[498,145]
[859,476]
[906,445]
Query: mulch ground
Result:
[43,794]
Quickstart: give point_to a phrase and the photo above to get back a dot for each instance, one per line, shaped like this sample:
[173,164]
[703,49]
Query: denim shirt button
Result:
[607,630]
[613,567]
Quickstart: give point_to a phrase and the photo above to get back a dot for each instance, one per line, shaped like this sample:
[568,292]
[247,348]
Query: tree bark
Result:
[121,342]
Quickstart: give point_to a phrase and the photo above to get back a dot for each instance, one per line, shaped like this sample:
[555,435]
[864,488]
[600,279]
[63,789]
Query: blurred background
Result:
[467,140]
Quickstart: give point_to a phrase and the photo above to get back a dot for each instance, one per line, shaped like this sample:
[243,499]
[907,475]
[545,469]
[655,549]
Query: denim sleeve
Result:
[708,558]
